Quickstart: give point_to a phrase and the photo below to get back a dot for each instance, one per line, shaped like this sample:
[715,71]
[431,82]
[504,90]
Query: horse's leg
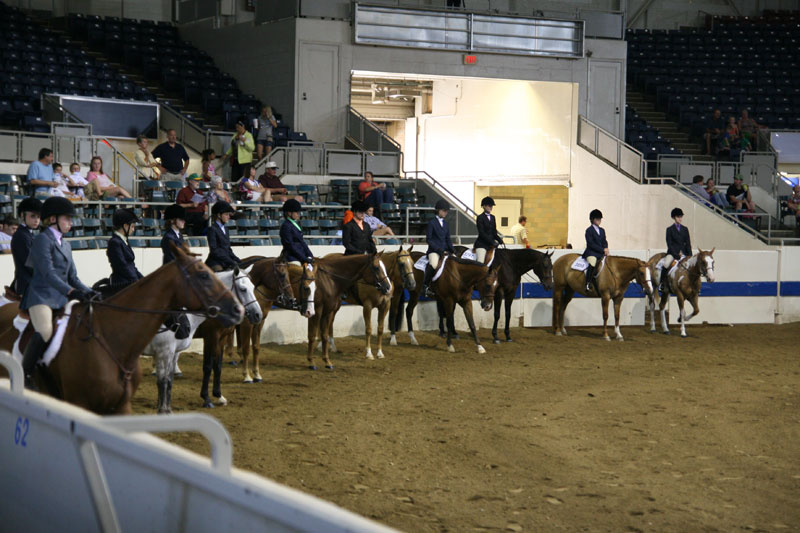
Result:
[557,297]
[313,327]
[509,301]
[694,300]
[413,299]
[243,332]
[651,301]
[604,303]
[382,308]
[208,363]
[568,294]
[395,316]
[331,343]
[326,325]
[498,299]
[367,312]
[617,305]
[467,307]
[450,310]
[440,312]
[255,347]
[219,347]
[681,302]
[162,357]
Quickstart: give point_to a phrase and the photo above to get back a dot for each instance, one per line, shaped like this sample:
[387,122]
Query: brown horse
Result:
[336,274]
[612,282]
[97,367]
[398,305]
[684,283]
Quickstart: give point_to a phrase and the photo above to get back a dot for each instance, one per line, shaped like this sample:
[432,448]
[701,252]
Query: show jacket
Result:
[167,254]
[487,232]
[357,240]
[21,243]
[54,273]
[294,247]
[123,262]
[678,242]
[438,237]
[595,244]
[219,249]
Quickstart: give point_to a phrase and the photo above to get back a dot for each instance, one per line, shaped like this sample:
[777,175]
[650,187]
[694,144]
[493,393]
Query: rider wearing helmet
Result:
[487,230]
[29,211]
[54,281]
[679,245]
[119,252]
[220,254]
[356,234]
[438,237]
[596,248]
[174,222]
[295,248]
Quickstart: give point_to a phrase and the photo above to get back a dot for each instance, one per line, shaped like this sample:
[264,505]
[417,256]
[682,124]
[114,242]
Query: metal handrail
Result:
[421,174]
[620,145]
[365,122]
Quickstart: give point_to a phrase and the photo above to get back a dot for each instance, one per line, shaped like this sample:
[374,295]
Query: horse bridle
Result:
[236,291]
[396,265]
[374,268]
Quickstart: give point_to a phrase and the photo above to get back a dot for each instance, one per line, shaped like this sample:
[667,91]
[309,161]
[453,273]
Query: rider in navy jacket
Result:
[487,230]
[438,237]
[679,244]
[596,247]
[119,252]
[175,217]
[220,254]
[29,211]
[294,246]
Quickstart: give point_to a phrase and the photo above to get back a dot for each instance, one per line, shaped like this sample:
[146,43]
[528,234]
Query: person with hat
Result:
[174,222]
[275,191]
[356,234]
[596,248]
[487,230]
[679,245]
[29,211]
[739,195]
[439,242]
[194,203]
[240,152]
[119,252]
[295,248]
[54,281]
[220,255]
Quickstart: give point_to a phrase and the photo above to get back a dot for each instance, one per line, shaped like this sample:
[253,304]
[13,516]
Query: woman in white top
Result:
[145,164]
[250,189]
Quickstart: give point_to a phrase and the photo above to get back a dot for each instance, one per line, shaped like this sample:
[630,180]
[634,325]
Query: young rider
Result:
[30,216]
[295,248]
[356,234]
[220,254]
[678,245]
[438,237]
[487,230]
[175,221]
[596,247]
[54,281]
[119,252]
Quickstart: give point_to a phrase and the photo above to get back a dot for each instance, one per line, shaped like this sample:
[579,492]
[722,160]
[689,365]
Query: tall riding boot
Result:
[427,291]
[33,352]
[589,277]
[664,285]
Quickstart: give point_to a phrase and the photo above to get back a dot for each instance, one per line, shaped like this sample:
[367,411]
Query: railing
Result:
[612,150]
[192,135]
[319,160]
[439,186]
[367,135]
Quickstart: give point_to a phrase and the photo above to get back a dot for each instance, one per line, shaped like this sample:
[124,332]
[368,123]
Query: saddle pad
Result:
[55,342]
[580,264]
[5,301]
[422,264]
[660,266]
[441,269]
[469,254]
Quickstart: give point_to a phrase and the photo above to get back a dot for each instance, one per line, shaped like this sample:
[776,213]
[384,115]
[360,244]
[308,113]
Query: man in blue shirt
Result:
[40,173]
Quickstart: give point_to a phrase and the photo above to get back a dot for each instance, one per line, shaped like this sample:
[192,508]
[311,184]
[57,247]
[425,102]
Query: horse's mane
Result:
[465,261]
[247,261]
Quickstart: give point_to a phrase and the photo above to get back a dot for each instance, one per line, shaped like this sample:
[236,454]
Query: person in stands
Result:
[119,252]
[77,183]
[209,169]
[250,189]
[356,234]
[29,211]
[218,192]
[295,249]
[8,226]
[699,188]
[487,230]
[520,232]
[739,196]
[40,173]
[679,245]
[265,140]
[714,129]
[220,255]
[596,248]
[275,189]
[375,193]
[439,242]
[194,203]
[376,225]
[54,281]
[240,152]
[146,165]
[103,187]
[173,157]
[717,198]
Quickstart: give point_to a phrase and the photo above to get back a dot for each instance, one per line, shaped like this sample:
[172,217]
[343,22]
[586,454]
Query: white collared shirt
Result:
[596,228]
[57,234]
[222,227]
[441,221]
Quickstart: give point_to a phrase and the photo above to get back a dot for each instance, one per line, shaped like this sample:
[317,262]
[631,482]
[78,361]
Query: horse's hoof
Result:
[442,334]
[380,355]
[413,339]
[451,348]
[393,341]
[222,401]
[496,341]
[257,380]
[620,338]
[208,405]
[509,339]
[558,333]
[665,332]
[607,338]
[247,380]
[329,367]
[481,349]
[312,367]
[652,331]
[177,375]
[684,335]
[369,356]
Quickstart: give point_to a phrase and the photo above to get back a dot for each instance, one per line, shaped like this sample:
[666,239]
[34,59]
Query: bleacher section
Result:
[644,137]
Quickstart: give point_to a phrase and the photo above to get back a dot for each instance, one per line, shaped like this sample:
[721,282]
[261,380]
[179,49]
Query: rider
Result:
[679,245]
[295,249]
[438,237]
[220,254]
[487,230]
[175,221]
[30,215]
[54,281]
[356,234]
[596,247]
[119,251]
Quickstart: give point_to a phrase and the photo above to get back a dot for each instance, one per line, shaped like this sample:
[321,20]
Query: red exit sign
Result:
[470,59]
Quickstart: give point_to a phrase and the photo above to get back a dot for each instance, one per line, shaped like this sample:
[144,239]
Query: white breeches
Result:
[433,260]
[592,260]
[42,320]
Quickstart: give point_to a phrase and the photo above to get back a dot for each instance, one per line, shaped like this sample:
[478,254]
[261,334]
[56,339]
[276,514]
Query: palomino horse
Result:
[165,348]
[684,283]
[336,274]
[268,292]
[397,305]
[612,282]
[97,367]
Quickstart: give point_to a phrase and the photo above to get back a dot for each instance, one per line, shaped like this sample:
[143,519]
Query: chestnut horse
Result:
[97,367]
[684,283]
[612,282]
[398,305]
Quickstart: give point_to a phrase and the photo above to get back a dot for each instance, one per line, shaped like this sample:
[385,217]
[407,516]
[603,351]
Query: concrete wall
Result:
[132,9]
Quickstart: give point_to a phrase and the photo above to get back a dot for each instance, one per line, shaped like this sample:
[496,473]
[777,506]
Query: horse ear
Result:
[411,248]
[551,252]
[248,269]
[712,251]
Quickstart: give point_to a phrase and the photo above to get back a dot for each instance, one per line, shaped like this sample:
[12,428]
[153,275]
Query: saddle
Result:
[12,295]
[27,333]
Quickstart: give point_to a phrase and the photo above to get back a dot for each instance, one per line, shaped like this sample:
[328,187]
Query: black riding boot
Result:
[33,352]
[664,285]
[427,291]
[179,325]
[589,278]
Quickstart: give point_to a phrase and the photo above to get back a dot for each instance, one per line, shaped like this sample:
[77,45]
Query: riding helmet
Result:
[123,216]
[359,206]
[55,206]
[221,207]
[488,200]
[292,206]
[442,204]
[30,205]
[175,211]
[595,214]
[677,212]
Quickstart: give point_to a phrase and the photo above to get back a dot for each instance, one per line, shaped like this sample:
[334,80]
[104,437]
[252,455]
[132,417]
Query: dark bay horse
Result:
[97,367]
[612,282]
[685,284]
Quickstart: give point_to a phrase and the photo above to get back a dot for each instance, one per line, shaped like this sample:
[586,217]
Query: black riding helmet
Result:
[30,205]
[55,206]
[442,204]
[359,206]
[122,217]
[221,207]
[594,215]
[292,206]
[488,200]
[677,212]
[175,211]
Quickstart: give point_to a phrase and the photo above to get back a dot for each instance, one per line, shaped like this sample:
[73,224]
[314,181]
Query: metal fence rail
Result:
[611,149]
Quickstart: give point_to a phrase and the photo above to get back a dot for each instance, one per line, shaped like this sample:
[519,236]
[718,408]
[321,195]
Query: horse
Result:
[268,291]
[684,282]
[397,304]
[612,281]
[165,348]
[97,366]
[336,274]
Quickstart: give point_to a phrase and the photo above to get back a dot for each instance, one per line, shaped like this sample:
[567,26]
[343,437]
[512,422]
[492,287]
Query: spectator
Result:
[377,226]
[218,192]
[273,185]
[520,233]
[100,184]
[717,198]
[40,173]
[739,196]
[265,140]
[194,203]
[794,202]
[7,228]
[76,181]
[209,171]
[240,152]
[714,129]
[62,187]
[146,165]
[724,146]
[732,129]
[374,193]
[748,125]
[173,158]
[699,188]
[250,189]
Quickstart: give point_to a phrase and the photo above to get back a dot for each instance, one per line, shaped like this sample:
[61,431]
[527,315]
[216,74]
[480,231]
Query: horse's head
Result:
[308,289]
[544,270]
[487,287]
[406,266]
[706,262]
[280,271]
[644,277]
[244,289]
[379,274]
[203,291]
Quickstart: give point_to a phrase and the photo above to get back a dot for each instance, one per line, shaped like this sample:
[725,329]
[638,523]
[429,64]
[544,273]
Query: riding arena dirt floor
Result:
[656,433]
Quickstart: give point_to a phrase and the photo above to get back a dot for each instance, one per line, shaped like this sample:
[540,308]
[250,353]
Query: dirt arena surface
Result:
[655,433]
